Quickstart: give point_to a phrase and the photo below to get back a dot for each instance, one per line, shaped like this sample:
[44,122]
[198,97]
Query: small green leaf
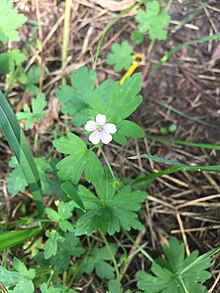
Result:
[38,106]
[66,249]
[121,56]
[20,281]
[10,21]
[10,59]
[50,247]
[75,99]
[130,129]
[137,37]
[72,193]
[153,21]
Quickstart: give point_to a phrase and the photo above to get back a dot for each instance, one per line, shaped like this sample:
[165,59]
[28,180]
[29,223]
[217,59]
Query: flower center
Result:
[100,128]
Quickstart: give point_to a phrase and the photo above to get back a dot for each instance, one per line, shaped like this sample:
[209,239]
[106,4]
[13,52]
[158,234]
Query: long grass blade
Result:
[180,113]
[179,47]
[185,143]
[177,167]
[21,150]
[9,239]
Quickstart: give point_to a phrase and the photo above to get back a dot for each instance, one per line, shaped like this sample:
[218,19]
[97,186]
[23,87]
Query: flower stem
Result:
[107,162]
[113,260]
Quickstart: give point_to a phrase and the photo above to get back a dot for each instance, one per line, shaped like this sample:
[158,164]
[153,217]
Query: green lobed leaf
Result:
[80,160]
[175,272]
[10,59]
[97,260]
[20,280]
[108,211]
[75,99]
[50,247]
[130,129]
[38,106]
[10,21]
[69,247]
[121,56]
[153,20]
[16,181]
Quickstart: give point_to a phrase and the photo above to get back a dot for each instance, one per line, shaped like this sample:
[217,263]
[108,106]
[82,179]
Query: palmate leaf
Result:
[80,159]
[107,211]
[10,59]
[122,101]
[10,21]
[121,56]
[97,260]
[19,280]
[66,249]
[153,20]
[176,273]
[64,212]
[16,181]
[38,106]
[75,99]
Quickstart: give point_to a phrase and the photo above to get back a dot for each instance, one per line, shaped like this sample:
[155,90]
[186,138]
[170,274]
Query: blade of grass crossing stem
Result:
[180,113]
[21,150]
[9,239]
[179,47]
[185,143]
[177,168]
[110,25]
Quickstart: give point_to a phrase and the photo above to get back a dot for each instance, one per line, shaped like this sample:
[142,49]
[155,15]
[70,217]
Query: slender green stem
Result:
[11,81]
[168,5]
[113,260]
[66,34]
[139,247]
[107,162]
[109,26]
[183,285]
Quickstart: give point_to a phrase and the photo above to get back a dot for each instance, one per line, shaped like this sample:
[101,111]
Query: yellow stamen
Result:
[138,61]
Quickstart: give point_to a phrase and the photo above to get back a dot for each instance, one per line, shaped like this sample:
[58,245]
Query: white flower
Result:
[101,129]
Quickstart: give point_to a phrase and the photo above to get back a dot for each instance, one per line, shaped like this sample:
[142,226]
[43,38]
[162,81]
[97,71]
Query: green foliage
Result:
[30,79]
[64,212]
[113,100]
[37,113]
[10,21]
[107,211]
[56,289]
[50,247]
[121,56]
[122,101]
[75,99]
[19,280]
[16,181]
[80,160]
[97,260]
[65,250]
[9,60]
[153,21]
[137,37]
[176,273]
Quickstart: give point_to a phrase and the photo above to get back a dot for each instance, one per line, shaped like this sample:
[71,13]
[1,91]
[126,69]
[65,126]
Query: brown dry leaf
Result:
[215,56]
[112,5]
[52,114]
